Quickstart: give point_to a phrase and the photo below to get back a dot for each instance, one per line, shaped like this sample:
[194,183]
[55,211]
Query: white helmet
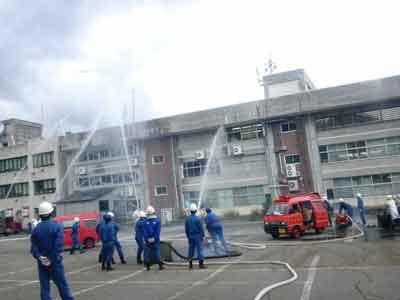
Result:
[359,195]
[324,197]
[142,214]
[341,200]
[389,197]
[76,219]
[193,207]
[111,214]
[45,208]
[150,210]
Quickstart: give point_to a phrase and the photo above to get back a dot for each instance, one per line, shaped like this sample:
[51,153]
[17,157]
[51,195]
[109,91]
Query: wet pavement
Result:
[366,268]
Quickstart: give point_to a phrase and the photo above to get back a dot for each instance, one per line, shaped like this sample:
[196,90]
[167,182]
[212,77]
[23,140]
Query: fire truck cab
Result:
[295,214]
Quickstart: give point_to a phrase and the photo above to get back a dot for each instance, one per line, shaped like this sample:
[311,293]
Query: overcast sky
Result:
[79,58]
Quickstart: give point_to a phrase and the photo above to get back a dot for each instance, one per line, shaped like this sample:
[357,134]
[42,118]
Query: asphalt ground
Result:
[367,268]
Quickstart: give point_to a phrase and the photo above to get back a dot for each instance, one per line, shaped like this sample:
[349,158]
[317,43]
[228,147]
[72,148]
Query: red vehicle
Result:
[87,228]
[295,214]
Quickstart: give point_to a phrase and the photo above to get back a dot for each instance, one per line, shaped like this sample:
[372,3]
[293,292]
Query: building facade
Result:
[336,141]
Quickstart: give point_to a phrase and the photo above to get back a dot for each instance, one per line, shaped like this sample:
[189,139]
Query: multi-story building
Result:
[29,170]
[336,141]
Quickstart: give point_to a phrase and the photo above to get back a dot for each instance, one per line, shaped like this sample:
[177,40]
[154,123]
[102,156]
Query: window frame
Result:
[156,194]
[288,123]
[293,163]
[154,162]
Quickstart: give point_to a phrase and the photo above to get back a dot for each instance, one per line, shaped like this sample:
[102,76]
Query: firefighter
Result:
[46,248]
[152,229]
[116,241]
[75,236]
[107,237]
[361,208]
[139,236]
[195,235]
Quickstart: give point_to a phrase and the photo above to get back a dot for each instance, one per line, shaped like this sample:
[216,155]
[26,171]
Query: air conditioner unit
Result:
[134,161]
[82,171]
[237,150]
[293,185]
[283,148]
[291,171]
[200,154]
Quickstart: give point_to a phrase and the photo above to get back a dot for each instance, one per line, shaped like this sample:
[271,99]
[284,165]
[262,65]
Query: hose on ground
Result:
[260,295]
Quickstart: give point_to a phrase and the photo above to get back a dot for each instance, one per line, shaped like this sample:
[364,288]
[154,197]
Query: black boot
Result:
[190,264]
[100,259]
[161,266]
[147,266]
[72,251]
[113,261]
[139,261]
[109,268]
[201,264]
[103,266]
[123,261]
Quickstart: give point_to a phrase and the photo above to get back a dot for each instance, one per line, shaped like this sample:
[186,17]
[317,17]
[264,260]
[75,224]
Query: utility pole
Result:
[133,107]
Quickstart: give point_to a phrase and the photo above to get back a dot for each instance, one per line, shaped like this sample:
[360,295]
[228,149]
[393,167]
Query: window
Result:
[160,190]
[249,132]
[360,149]
[13,164]
[288,126]
[133,149]
[157,159]
[47,186]
[368,185]
[194,168]
[43,159]
[90,223]
[68,224]
[292,159]
[191,197]
[83,181]
[14,190]
[357,118]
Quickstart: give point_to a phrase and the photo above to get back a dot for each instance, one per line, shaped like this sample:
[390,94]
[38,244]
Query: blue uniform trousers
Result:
[140,247]
[218,235]
[196,244]
[56,273]
[118,246]
[152,248]
[108,251]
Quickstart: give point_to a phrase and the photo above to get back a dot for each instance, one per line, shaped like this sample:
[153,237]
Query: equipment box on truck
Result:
[294,214]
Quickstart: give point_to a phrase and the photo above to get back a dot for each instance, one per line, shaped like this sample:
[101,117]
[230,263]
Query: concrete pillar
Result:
[272,163]
[313,153]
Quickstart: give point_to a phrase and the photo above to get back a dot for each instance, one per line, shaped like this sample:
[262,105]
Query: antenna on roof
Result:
[270,66]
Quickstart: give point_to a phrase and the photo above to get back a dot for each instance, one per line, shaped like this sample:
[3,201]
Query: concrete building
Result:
[29,170]
[336,141]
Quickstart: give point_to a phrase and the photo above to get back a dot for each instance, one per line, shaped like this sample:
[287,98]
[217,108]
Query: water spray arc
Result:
[210,158]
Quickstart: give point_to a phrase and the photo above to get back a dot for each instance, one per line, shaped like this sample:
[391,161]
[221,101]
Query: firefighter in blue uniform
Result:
[215,229]
[139,236]
[195,235]
[152,229]
[75,236]
[47,247]
[117,244]
[107,237]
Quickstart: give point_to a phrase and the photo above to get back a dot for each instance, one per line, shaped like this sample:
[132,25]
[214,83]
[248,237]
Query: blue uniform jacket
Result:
[47,240]
[152,228]
[360,203]
[347,208]
[75,230]
[212,222]
[328,207]
[107,233]
[194,228]
[139,229]
[115,230]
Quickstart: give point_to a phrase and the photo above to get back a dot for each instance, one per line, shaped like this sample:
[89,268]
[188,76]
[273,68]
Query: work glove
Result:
[44,261]
[151,240]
